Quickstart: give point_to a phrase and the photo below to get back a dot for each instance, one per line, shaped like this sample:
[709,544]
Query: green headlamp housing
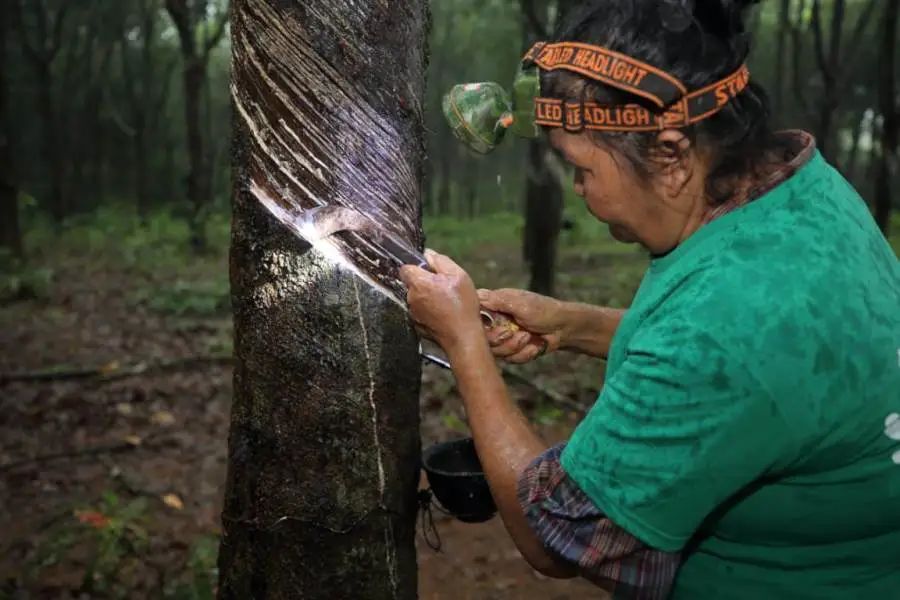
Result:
[481,113]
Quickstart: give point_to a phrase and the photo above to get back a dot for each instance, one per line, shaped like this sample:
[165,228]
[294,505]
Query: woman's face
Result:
[646,212]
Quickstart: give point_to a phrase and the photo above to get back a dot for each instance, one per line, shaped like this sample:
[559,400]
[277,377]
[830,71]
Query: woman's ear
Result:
[676,160]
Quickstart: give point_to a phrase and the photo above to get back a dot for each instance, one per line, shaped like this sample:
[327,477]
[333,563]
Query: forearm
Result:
[505,444]
[589,329]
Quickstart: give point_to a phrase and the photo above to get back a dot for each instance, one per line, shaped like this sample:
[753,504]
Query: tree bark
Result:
[41,53]
[184,14]
[784,24]
[890,112]
[543,219]
[324,447]
[10,231]
[543,190]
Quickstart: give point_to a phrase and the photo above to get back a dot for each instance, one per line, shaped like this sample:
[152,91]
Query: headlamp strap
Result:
[611,68]
[633,76]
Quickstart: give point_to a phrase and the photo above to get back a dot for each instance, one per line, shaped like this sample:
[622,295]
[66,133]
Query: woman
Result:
[744,444]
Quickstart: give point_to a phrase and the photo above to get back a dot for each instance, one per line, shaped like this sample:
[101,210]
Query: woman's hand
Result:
[443,304]
[541,318]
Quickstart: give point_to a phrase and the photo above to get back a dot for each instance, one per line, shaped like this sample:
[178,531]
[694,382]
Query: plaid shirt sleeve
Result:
[574,529]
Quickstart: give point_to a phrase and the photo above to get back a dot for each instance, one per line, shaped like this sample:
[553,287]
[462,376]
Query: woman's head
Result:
[646,184]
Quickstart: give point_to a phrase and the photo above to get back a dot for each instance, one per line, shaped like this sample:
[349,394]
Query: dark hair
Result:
[713,45]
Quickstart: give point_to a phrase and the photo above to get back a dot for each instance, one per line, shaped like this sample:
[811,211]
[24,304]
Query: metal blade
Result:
[324,221]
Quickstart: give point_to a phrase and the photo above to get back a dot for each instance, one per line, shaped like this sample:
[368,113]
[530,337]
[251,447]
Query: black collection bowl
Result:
[457,480]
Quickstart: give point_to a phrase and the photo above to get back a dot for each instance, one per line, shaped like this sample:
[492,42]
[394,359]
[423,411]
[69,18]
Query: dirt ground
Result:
[111,483]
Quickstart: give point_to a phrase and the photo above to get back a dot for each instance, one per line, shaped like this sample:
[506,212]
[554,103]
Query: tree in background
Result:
[320,500]
[198,35]
[889,97]
[40,25]
[543,188]
[10,233]
[146,75]
[836,64]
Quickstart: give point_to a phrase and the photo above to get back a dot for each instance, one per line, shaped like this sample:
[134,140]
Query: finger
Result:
[412,275]
[505,300]
[442,264]
[497,336]
[515,344]
[528,354]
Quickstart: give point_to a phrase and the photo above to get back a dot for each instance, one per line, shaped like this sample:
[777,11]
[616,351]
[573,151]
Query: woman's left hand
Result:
[444,304]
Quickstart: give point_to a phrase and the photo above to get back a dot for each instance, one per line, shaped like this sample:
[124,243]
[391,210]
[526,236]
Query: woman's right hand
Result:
[540,317]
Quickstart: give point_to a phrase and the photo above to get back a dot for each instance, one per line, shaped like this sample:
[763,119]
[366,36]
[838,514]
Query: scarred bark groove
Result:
[324,446]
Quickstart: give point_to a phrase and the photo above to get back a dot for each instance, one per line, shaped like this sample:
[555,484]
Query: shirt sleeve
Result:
[571,527]
[681,426]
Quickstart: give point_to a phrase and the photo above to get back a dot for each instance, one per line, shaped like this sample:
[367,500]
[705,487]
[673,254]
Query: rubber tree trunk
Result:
[543,219]
[10,232]
[194,75]
[324,448]
[50,148]
[890,132]
[543,190]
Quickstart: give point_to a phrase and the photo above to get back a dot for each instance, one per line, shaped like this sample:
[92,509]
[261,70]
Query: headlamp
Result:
[480,113]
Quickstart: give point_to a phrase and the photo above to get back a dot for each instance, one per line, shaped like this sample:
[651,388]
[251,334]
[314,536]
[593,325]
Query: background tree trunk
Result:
[185,14]
[784,25]
[10,232]
[543,191]
[41,53]
[543,218]
[890,112]
[324,445]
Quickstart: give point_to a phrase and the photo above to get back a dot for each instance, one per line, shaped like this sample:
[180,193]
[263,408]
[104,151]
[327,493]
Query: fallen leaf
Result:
[173,501]
[162,418]
[124,409]
[95,519]
[109,367]
[134,440]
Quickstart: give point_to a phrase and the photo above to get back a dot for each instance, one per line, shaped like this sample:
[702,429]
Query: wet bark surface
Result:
[324,444]
[332,102]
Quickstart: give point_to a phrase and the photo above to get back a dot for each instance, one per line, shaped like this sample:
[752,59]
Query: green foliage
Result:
[455,237]
[546,413]
[115,234]
[187,298]
[113,534]
[200,574]
[20,281]
[453,422]
[121,536]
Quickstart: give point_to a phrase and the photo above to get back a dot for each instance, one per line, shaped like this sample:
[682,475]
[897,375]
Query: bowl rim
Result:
[434,449]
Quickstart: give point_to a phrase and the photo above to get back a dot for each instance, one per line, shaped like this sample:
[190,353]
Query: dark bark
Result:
[473,176]
[890,112]
[324,448]
[443,196]
[852,162]
[543,190]
[784,25]
[543,219]
[10,231]
[146,87]
[41,53]
[835,64]
[184,14]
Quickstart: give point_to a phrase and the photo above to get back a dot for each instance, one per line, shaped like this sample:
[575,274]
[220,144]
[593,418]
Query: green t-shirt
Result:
[750,416]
